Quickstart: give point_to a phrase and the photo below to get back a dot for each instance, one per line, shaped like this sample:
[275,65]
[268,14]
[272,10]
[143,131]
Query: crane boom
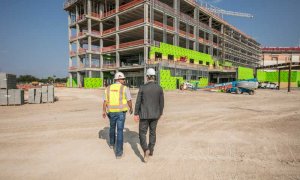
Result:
[221,12]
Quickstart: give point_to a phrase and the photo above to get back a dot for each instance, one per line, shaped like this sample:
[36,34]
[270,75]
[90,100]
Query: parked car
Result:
[268,85]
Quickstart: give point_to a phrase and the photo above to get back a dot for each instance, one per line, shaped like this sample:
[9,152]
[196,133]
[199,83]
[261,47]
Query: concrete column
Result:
[76,11]
[146,19]
[222,29]
[210,22]
[151,22]
[176,28]
[164,29]
[118,59]
[196,29]
[89,7]
[117,22]
[84,7]
[187,40]
[117,41]
[146,12]
[146,54]
[101,10]
[176,4]
[101,61]
[117,5]
[90,74]
[79,79]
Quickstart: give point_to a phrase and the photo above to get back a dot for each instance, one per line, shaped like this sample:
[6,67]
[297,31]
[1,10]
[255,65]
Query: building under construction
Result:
[182,39]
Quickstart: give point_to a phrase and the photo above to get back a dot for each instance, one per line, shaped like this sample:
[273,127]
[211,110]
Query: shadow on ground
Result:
[130,137]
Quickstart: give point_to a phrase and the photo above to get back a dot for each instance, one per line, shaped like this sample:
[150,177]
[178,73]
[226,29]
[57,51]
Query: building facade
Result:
[278,55]
[131,35]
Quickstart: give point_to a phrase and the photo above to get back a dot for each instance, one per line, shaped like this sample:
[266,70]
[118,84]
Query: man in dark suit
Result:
[148,109]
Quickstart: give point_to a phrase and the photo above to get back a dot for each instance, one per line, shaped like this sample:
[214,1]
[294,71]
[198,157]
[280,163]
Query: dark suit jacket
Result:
[150,101]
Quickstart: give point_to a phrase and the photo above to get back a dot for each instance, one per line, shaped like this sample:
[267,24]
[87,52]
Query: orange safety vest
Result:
[115,98]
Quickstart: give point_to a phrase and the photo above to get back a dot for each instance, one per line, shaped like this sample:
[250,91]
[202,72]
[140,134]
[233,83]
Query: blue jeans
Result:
[117,119]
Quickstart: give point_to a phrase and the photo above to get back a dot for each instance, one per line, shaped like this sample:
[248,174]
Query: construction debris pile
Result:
[41,95]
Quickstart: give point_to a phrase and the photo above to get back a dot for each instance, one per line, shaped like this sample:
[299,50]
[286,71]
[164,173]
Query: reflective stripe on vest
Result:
[116,101]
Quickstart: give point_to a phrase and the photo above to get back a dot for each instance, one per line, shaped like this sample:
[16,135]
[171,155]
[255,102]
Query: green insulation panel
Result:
[74,82]
[228,64]
[177,52]
[203,82]
[168,82]
[245,73]
[93,82]
[264,76]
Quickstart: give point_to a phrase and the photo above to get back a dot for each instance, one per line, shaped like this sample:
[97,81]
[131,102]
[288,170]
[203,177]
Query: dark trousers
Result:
[143,128]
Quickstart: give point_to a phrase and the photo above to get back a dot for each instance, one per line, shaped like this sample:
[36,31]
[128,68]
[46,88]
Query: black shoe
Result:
[111,146]
[119,157]
[151,152]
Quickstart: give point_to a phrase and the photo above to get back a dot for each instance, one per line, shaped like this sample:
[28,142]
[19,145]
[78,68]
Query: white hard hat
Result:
[150,72]
[119,75]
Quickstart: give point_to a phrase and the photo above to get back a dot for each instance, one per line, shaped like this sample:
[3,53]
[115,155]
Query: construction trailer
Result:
[131,35]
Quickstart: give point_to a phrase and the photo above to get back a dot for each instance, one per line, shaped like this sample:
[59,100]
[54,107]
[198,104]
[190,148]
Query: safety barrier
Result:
[96,15]
[183,33]
[109,66]
[72,53]
[109,13]
[129,5]
[96,33]
[164,6]
[131,24]
[82,50]
[72,68]
[108,31]
[132,43]
[80,17]
[107,49]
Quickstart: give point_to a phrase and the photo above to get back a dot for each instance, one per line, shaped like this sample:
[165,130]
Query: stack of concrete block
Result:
[41,95]
[38,96]
[3,97]
[44,94]
[31,96]
[9,95]
[8,81]
[51,94]
[15,97]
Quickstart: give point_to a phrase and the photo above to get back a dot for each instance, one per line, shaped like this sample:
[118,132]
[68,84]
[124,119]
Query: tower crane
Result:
[220,12]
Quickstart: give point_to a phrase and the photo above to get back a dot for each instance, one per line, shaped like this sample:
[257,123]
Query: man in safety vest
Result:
[117,99]
[148,110]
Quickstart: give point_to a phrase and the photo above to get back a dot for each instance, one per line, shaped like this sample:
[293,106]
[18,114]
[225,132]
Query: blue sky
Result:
[34,39]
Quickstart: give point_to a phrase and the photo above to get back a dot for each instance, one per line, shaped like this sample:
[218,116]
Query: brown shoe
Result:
[146,156]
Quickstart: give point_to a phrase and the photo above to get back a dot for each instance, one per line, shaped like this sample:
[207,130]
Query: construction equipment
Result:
[246,86]
[238,87]
[220,12]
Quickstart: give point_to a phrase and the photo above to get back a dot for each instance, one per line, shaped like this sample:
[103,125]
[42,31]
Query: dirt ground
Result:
[202,135]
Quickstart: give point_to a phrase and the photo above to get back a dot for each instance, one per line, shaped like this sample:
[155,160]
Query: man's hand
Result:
[104,115]
[136,118]
[130,111]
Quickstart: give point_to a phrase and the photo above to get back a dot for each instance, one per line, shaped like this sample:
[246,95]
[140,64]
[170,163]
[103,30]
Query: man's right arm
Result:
[138,102]
[104,109]
[161,101]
